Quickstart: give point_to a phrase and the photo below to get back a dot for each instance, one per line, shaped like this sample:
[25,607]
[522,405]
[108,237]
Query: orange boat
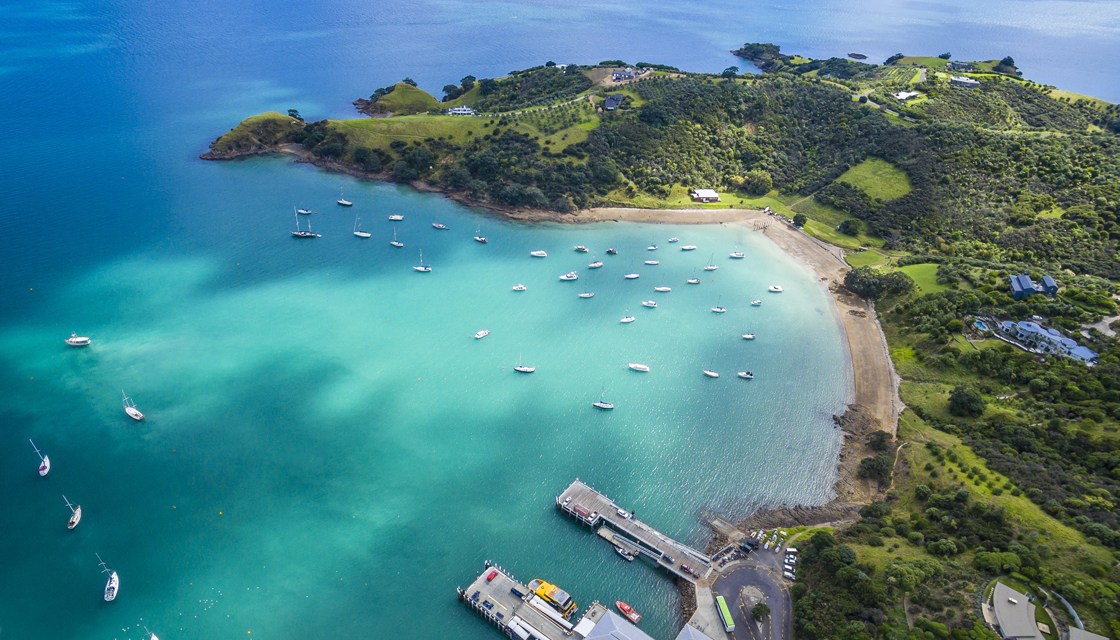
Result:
[628,611]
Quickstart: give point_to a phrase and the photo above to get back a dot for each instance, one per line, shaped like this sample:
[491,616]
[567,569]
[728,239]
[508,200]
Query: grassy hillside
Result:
[878,179]
[406,99]
[256,132]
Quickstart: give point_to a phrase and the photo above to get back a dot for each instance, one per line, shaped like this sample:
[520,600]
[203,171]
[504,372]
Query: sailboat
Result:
[304,234]
[717,308]
[663,289]
[357,232]
[151,636]
[520,368]
[343,201]
[627,318]
[44,461]
[396,243]
[396,217]
[304,212]
[632,275]
[422,267]
[130,407]
[595,263]
[75,514]
[587,294]
[708,371]
[711,267]
[478,237]
[603,404]
[638,366]
[693,279]
[114,582]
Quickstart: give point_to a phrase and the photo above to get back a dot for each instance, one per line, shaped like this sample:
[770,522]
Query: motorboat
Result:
[358,229]
[595,264]
[631,276]
[44,461]
[114,583]
[423,268]
[521,368]
[519,287]
[478,237]
[651,247]
[775,289]
[587,294]
[748,336]
[688,247]
[747,375]
[396,243]
[441,227]
[652,262]
[637,366]
[538,254]
[624,553]
[612,251]
[717,308]
[674,239]
[75,514]
[581,248]
[628,611]
[711,267]
[304,234]
[130,407]
[756,303]
[738,255]
[482,334]
[396,217]
[343,201]
[663,289]
[652,304]
[627,319]
[571,275]
[603,404]
[77,341]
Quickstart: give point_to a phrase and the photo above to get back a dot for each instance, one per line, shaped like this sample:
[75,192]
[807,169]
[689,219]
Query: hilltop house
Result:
[1044,340]
[623,74]
[1022,286]
[460,111]
[958,66]
[962,81]
[704,195]
[1014,614]
[903,96]
[613,101]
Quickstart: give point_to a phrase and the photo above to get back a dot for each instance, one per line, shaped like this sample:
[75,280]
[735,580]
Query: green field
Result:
[377,133]
[924,276]
[827,219]
[925,61]
[878,179]
[866,259]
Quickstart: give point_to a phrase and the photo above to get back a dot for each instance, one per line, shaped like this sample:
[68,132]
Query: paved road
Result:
[761,569]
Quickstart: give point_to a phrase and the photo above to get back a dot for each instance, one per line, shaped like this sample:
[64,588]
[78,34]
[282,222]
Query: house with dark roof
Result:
[1022,286]
[1049,287]
[613,101]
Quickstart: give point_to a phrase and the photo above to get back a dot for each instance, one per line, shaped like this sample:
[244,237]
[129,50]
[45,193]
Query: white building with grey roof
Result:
[1014,614]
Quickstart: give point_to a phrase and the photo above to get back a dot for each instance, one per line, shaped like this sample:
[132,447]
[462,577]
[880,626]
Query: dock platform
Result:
[588,506]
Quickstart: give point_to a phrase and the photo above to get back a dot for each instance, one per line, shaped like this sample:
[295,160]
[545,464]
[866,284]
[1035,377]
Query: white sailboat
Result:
[478,237]
[748,336]
[539,253]
[711,267]
[653,262]
[595,263]
[44,461]
[637,366]
[396,243]
[357,229]
[343,201]
[603,404]
[76,340]
[674,239]
[520,368]
[652,304]
[519,287]
[627,318]
[114,582]
[688,247]
[693,279]
[708,371]
[717,308]
[423,268]
[756,303]
[587,294]
[151,636]
[396,217]
[304,212]
[75,514]
[663,289]
[581,248]
[130,407]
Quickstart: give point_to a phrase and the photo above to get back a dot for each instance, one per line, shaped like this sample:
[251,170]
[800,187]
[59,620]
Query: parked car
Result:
[788,575]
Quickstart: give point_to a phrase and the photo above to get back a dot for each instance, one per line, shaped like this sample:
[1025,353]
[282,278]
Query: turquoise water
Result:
[327,450]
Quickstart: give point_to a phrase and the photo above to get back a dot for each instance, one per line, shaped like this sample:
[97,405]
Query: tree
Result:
[758,182]
[730,72]
[1007,62]
[294,113]
[966,401]
[871,284]
[879,440]
[877,468]
[893,59]
[799,220]
[822,540]
[467,83]
[945,56]
[760,611]
[550,63]
[849,227]
[409,81]
[486,86]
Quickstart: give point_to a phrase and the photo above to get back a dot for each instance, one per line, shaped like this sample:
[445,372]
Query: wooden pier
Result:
[587,506]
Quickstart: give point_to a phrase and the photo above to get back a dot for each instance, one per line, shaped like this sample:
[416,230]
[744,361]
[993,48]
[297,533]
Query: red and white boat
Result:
[628,611]
[44,461]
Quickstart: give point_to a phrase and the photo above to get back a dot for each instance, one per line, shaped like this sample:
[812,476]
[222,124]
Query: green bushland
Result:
[257,132]
[878,179]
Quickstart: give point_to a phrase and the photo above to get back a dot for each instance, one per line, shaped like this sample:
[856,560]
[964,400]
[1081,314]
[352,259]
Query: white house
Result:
[962,81]
[1045,340]
[903,96]
[704,195]
[460,111]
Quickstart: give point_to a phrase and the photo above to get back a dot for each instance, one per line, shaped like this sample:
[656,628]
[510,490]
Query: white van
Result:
[788,575]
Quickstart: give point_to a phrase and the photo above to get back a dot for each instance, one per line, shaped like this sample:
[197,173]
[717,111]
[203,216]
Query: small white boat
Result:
[603,404]
[571,275]
[637,366]
[674,239]
[652,262]
[776,289]
[651,247]
[587,294]
[304,234]
[688,247]
[538,254]
[627,319]
[441,227]
[396,217]
[482,334]
[738,255]
[130,407]
[612,251]
[756,303]
[519,287]
[151,636]
[747,375]
[748,336]
[114,583]
[358,229]
[76,340]
[304,212]
[717,308]
[595,264]
[652,304]
[423,268]
[631,276]
[711,267]
[343,201]
[75,514]
[663,289]
[521,368]
[624,553]
[396,243]
[693,279]
[581,248]
[478,237]
[44,461]
[708,371]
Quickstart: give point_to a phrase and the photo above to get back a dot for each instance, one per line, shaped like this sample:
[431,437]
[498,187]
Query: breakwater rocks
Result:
[688,598]
[831,513]
[366,107]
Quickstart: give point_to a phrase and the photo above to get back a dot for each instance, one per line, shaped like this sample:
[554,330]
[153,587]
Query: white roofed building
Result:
[704,195]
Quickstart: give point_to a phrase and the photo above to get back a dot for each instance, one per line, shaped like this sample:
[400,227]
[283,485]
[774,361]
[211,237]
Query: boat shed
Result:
[704,195]
[1014,614]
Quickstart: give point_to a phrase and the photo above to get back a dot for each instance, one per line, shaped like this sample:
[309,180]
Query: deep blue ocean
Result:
[327,452]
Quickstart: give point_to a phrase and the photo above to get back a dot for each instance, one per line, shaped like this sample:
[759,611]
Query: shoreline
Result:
[876,403]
